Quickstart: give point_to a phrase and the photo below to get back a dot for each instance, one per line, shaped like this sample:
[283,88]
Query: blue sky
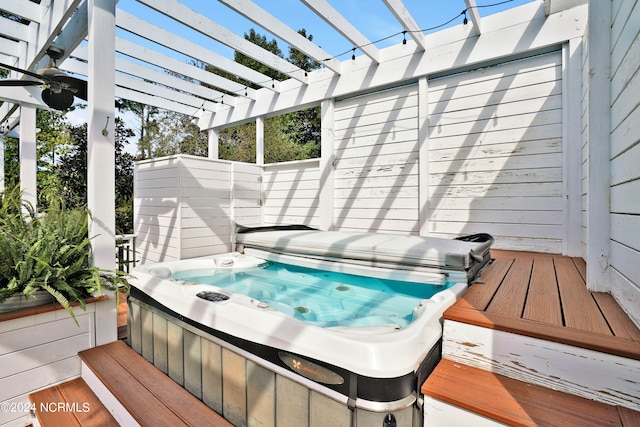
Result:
[371,17]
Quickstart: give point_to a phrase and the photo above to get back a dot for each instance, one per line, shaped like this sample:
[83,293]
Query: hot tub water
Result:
[321,298]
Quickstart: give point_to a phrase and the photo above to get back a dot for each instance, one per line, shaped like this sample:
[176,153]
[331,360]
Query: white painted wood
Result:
[410,25]
[213,141]
[28,158]
[441,414]
[500,39]
[258,15]
[625,152]
[39,351]
[291,193]
[163,37]
[474,14]
[169,63]
[612,379]
[331,16]
[327,173]
[599,97]
[113,405]
[260,141]
[206,26]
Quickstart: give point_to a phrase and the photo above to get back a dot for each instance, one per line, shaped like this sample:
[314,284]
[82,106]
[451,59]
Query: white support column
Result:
[101,150]
[2,163]
[260,141]
[28,160]
[599,141]
[327,167]
[214,139]
[572,146]
[423,153]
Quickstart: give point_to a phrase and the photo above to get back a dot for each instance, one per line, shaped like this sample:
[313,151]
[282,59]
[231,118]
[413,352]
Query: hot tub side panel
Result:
[246,390]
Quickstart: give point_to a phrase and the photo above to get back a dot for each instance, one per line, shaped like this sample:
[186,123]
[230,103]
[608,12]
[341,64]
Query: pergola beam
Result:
[261,17]
[332,17]
[151,32]
[409,24]
[166,62]
[472,8]
[209,28]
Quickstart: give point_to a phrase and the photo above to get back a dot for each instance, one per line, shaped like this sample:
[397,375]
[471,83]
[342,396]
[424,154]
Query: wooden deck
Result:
[545,296]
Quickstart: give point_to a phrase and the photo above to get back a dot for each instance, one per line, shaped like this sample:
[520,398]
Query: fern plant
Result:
[51,252]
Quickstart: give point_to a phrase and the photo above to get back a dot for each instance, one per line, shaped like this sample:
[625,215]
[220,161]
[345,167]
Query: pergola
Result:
[89,31]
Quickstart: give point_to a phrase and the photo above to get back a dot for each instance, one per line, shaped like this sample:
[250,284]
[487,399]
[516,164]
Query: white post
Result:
[2,163]
[423,153]
[214,139]
[260,141]
[326,200]
[101,150]
[28,160]
[572,146]
[598,143]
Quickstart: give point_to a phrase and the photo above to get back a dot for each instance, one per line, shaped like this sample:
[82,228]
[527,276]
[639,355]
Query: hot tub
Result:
[368,357]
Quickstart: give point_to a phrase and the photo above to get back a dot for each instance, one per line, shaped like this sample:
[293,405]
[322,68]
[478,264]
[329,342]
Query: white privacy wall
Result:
[625,155]
[291,192]
[495,154]
[186,206]
[376,162]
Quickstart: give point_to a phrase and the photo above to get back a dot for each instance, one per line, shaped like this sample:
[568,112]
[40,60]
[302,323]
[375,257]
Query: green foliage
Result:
[51,252]
[291,136]
[71,173]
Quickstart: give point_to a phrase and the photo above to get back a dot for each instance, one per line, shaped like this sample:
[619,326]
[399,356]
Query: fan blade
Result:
[77,86]
[25,72]
[11,82]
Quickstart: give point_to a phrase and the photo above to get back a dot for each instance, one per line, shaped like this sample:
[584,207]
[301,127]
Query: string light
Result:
[465,21]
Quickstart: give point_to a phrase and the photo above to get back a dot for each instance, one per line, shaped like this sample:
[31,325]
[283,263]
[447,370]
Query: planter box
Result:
[18,301]
[39,348]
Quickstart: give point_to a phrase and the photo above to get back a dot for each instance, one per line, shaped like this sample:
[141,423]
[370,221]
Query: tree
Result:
[292,136]
[72,173]
[175,133]
[145,117]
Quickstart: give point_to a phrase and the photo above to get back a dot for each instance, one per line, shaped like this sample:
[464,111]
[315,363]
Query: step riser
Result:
[107,398]
[611,379]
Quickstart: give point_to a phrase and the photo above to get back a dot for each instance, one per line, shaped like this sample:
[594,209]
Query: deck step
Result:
[124,380]
[71,404]
[471,396]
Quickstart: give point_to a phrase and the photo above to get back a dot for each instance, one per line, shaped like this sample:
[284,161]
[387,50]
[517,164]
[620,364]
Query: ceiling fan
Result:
[59,88]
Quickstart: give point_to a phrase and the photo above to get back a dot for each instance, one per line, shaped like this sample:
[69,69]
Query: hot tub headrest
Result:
[457,254]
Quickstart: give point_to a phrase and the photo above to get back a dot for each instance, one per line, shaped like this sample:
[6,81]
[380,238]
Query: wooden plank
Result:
[134,396]
[579,308]
[510,297]
[628,417]
[560,334]
[511,401]
[543,299]
[91,412]
[53,418]
[479,295]
[179,401]
[617,319]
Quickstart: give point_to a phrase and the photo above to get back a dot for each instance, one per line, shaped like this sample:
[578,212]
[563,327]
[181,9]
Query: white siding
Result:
[291,192]
[155,207]
[39,351]
[495,153]
[376,167]
[247,194]
[185,206]
[205,205]
[625,155]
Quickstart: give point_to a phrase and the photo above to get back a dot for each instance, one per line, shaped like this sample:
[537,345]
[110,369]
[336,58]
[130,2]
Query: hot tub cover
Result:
[466,253]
